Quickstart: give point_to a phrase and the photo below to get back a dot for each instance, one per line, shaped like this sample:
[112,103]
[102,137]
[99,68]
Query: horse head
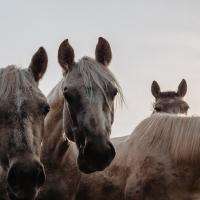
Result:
[89,90]
[170,101]
[22,111]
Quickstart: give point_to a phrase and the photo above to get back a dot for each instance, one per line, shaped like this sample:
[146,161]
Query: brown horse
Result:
[23,108]
[170,101]
[82,109]
[158,161]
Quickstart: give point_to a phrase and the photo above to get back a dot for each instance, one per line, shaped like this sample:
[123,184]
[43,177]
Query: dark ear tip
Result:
[65,44]
[42,50]
[183,80]
[154,82]
[66,41]
[101,39]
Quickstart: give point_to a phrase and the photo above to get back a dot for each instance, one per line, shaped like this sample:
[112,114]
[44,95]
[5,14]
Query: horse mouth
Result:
[82,164]
[12,196]
[92,159]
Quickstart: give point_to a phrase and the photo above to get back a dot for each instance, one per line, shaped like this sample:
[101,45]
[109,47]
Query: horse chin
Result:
[12,196]
[82,165]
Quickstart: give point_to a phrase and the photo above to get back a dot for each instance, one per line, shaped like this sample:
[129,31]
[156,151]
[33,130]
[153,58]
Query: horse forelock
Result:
[177,134]
[170,94]
[13,80]
[93,71]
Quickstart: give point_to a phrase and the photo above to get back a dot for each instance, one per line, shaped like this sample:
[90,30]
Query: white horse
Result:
[82,109]
[160,160]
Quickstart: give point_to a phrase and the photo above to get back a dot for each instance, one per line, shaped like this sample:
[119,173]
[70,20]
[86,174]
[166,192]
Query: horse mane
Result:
[177,134]
[13,79]
[55,97]
[100,74]
[170,94]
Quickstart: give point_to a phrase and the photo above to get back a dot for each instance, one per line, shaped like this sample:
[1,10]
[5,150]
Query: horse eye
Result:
[66,94]
[65,89]
[157,109]
[186,108]
[114,93]
[46,109]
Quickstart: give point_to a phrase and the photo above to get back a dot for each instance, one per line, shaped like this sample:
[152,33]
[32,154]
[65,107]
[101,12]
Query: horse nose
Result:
[99,155]
[41,177]
[24,181]
[112,153]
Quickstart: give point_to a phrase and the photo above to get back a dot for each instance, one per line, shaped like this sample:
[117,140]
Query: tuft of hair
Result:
[13,79]
[91,70]
[170,94]
[177,134]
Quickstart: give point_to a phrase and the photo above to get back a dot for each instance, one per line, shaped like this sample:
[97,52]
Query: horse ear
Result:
[38,64]
[182,88]
[66,55]
[155,89]
[103,52]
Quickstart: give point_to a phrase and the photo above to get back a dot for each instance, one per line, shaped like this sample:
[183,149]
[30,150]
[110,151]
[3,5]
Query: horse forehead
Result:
[30,101]
[74,75]
[19,101]
[170,101]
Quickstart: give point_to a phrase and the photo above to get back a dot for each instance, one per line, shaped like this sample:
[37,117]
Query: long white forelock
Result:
[177,134]
[100,74]
[13,79]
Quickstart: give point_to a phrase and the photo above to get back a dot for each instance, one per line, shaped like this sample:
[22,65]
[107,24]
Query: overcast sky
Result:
[150,40]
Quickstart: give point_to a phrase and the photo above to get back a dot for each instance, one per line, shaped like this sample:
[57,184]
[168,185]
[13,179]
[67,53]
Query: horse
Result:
[170,101]
[159,160]
[78,126]
[23,108]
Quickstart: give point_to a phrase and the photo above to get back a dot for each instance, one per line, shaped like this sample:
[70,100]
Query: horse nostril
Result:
[13,179]
[112,153]
[110,158]
[41,177]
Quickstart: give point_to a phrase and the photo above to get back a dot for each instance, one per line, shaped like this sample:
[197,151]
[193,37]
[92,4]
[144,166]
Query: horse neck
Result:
[125,147]
[55,145]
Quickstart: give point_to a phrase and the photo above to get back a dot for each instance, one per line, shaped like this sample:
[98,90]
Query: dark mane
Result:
[171,94]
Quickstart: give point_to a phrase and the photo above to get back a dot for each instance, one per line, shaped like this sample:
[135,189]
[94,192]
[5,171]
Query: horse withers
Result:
[23,108]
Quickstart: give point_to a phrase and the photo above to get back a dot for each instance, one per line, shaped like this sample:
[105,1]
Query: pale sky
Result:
[150,40]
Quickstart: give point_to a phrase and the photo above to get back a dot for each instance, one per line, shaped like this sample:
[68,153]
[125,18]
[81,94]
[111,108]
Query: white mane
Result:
[177,134]
[100,74]
[55,97]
